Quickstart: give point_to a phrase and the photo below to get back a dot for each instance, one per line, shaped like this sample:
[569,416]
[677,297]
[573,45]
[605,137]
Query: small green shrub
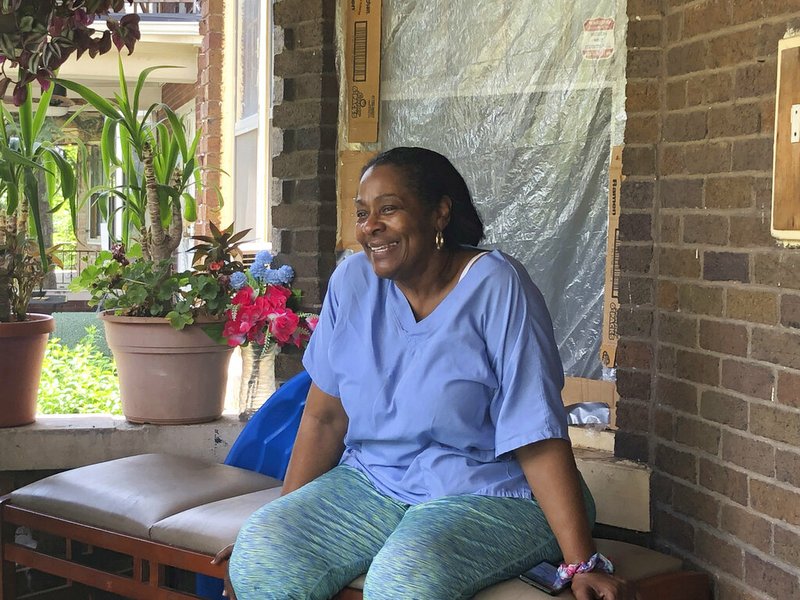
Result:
[78,380]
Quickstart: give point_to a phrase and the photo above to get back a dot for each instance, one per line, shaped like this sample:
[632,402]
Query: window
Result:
[252,123]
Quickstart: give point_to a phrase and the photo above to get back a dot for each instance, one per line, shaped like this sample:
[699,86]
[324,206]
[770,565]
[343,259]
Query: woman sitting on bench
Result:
[435,409]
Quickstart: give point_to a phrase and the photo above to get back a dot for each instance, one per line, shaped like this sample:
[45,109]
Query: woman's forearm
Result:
[320,440]
[549,467]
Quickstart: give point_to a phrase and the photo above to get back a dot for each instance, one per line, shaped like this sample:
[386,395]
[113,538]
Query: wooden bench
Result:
[158,516]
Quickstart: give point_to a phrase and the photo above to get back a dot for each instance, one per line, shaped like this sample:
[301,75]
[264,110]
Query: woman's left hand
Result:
[594,586]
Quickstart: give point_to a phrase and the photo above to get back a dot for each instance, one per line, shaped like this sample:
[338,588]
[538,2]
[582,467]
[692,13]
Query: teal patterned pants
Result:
[311,543]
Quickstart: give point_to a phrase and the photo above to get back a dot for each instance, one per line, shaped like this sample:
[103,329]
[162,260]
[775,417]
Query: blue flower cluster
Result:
[238,279]
[261,272]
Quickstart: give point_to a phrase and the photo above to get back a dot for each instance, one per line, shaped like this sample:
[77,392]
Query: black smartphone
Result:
[544,577]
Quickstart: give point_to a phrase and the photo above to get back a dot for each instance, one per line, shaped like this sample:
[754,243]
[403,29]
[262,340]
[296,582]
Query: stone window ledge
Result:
[69,441]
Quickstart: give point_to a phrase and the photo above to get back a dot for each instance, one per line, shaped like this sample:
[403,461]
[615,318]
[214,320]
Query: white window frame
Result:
[260,121]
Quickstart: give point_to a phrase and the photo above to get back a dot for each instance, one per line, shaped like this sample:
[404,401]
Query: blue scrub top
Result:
[437,406]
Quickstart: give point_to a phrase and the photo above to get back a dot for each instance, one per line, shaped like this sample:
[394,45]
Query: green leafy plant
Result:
[37,36]
[153,200]
[25,153]
[78,380]
[132,286]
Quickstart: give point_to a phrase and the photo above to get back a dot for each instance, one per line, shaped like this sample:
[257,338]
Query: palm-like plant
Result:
[25,152]
[152,200]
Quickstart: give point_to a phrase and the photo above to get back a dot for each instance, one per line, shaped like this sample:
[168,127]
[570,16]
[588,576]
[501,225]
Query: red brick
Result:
[724,480]
[701,300]
[751,529]
[670,230]
[776,423]
[787,546]
[734,120]
[687,58]
[748,453]
[705,17]
[674,27]
[787,467]
[725,338]
[644,33]
[636,355]
[681,193]
[697,367]
[679,395]
[684,126]
[790,311]
[729,192]
[775,501]
[698,434]
[709,88]
[674,530]
[750,231]
[777,269]
[677,463]
[705,229]
[667,295]
[748,378]
[664,424]
[752,154]
[676,95]
[724,409]
[733,48]
[776,347]
[745,11]
[643,63]
[756,79]
[696,504]
[708,157]
[642,128]
[642,96]
[771,578]
[667,357]
[643,8]
[672,159]
[788,392]
[678,262]
[678,329]
[723,555]
[726,266]
[637,194]
[751,306]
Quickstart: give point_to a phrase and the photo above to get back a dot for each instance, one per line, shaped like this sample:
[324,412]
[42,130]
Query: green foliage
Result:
[78,380]
[144,288]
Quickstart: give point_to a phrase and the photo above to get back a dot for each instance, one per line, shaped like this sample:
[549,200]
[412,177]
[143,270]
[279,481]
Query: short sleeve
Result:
[316,358]
[527,405]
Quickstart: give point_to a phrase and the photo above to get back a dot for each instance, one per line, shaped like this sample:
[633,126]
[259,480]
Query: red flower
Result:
[282,324]
[215,266]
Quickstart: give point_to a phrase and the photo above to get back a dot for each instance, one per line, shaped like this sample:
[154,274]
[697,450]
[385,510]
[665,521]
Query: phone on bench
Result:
[543,576]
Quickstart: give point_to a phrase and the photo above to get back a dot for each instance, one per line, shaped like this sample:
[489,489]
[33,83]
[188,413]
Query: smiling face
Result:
[394,227]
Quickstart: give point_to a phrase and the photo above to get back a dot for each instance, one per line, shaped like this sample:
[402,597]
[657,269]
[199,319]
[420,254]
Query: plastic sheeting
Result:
[522,96]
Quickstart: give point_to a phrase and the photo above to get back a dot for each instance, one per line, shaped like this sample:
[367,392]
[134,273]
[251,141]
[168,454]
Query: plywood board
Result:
[786,166]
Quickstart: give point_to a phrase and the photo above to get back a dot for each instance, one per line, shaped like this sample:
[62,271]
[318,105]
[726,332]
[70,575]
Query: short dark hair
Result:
[431,176]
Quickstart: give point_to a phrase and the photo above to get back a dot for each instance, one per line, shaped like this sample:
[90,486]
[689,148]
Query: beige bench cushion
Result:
[633,562]
[128,495]
[210,527]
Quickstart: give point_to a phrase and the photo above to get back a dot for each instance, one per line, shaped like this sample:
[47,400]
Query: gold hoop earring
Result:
[439,240]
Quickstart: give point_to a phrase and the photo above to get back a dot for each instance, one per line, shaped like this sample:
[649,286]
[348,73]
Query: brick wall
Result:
[209,108]
[304,207]
[709,360]
[176,95]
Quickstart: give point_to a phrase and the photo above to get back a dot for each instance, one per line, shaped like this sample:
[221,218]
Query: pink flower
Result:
[312,322]
[277,295]
[282,324]
[244,296]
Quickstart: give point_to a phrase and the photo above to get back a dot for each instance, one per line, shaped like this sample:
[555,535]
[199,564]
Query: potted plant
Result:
[25,154]
[171,371]
[36,37]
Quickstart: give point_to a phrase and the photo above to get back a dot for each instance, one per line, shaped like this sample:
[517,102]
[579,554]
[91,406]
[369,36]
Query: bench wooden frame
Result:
[151,559]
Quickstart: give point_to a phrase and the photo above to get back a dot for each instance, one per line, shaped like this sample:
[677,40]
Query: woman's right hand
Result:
[595,585]
[223,556]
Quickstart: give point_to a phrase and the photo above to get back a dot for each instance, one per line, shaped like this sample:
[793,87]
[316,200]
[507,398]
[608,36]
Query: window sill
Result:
[68,441]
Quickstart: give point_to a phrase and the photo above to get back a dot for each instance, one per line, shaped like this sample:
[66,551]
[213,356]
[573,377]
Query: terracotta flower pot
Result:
[167,377]
[22,347]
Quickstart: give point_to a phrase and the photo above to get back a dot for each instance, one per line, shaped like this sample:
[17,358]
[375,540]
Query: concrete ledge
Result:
[68,441]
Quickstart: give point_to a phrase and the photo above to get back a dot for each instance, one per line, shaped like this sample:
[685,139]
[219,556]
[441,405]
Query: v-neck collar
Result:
[405,315]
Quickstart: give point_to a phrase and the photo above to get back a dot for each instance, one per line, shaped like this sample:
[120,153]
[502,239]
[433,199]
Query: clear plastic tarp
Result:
[526,98]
